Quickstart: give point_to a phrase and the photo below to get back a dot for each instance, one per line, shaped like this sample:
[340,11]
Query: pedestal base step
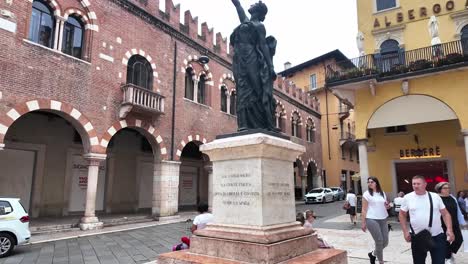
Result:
[319,256]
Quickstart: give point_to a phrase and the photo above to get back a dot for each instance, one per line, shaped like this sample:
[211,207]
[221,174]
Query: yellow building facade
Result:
[339,148]
[408,88]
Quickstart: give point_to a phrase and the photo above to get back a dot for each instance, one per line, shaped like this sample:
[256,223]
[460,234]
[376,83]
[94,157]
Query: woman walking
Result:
[351,200]
[374,217]
[443,189]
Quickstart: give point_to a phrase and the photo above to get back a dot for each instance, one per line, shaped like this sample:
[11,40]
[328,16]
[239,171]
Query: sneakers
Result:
[372,258]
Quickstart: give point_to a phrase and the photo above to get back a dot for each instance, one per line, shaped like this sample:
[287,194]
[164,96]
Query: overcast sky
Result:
[304,28]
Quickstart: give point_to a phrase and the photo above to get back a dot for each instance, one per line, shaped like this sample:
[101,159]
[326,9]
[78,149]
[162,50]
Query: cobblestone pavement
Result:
[135,246]
[142,245]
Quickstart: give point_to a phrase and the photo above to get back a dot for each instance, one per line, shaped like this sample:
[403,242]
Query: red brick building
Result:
[103,105]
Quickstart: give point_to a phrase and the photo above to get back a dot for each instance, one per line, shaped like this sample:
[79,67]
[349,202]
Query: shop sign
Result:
[419,13]
[432,152]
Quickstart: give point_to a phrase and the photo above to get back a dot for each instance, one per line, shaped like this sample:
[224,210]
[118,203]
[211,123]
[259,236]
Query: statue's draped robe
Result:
[254,83]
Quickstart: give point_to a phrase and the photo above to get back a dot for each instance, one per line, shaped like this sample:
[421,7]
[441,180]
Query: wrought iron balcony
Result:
[402,64]
[140,100]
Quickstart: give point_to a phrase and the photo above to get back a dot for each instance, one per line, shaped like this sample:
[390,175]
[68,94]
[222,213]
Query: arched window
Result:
[189,83]
[464,39]
[224,97]
[279,114]
[389,55]
[389,46]
[42,25]
[296,125]
[233,100]
[201,93]
[139,72]
[73,37]
[310,129]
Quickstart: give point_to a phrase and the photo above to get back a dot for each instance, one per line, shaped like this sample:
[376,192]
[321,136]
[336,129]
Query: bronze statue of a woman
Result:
[253,69]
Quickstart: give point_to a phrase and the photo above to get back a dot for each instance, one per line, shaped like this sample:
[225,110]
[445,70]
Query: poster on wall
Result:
[79,184]
[188,187]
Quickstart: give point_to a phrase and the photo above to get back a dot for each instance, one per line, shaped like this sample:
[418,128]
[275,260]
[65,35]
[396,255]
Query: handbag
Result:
[346,206]
[423,240]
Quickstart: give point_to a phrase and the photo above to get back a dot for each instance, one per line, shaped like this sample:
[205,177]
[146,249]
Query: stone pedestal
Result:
[253,203]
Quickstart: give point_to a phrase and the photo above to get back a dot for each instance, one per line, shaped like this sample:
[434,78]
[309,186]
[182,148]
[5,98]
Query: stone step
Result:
[321,256]
[55,228]
[318,256]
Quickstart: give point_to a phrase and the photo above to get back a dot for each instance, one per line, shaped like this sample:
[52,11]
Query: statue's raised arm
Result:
[240,11]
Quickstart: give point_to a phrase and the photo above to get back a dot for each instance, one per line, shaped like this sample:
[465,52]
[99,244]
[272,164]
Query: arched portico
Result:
[408,129]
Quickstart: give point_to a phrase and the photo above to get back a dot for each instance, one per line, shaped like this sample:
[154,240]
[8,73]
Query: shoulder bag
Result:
[423,240]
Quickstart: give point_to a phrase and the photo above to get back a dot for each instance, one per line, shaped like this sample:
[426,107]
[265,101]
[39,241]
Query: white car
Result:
[14,225]
[319,195]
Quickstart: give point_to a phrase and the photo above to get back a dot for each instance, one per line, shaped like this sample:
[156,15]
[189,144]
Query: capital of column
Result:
[61,19]
[95,158]
[362,141]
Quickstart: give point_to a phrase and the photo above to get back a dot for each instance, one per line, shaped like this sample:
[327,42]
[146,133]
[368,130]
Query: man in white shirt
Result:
[417,204]
[398,201]
[202,219]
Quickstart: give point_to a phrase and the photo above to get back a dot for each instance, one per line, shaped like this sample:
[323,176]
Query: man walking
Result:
[418,204]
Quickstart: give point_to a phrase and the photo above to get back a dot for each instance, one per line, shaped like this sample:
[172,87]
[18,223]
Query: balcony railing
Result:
[437,57]
[139,99]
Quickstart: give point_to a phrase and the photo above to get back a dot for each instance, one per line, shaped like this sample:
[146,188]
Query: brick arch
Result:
[283,109]
[86,4]
[190,138]
[155,139]
[313,162]
[224,78]
[300,165]
[312,121]
[298,114]
[188,63]
[80,14]
[80,121]
[54,5]
[145,55]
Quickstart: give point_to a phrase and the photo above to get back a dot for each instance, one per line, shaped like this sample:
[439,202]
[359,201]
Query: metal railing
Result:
[384,65]
[143,98]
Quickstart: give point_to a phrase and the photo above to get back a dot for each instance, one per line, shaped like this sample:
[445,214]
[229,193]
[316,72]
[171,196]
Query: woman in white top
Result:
[202,219]
[374,217]
[351,200]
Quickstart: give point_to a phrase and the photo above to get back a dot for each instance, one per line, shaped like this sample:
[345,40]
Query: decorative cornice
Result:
[296,103]
[168,29]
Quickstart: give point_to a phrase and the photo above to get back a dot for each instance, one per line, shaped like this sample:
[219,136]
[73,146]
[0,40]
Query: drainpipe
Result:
[174,100]
[328,122]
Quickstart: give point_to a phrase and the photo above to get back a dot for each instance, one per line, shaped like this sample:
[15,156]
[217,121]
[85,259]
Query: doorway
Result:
[433,171]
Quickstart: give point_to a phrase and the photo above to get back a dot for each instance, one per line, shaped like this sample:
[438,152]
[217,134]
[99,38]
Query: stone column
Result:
[209,170]
[228,104]
[165,189]
[363,163]
[58,34]
[195,91]
[90,221]
[304,184]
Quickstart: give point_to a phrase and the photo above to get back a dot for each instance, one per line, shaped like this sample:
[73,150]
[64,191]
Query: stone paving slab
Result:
[142,243]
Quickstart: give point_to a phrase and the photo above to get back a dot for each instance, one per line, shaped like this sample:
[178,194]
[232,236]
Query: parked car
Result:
[338,193]
[14,225]
[319,195]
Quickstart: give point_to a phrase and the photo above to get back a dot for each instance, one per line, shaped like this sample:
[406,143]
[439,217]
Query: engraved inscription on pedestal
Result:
[253,192]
